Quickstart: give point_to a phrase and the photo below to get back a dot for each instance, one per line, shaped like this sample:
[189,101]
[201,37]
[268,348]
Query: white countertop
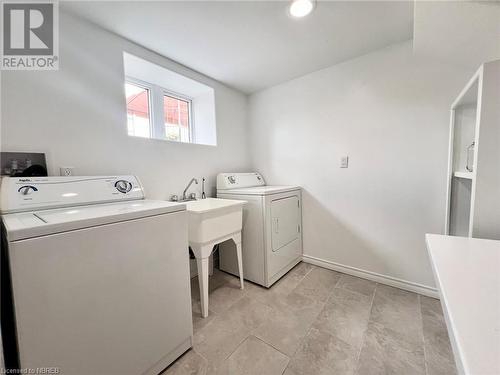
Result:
[467,273]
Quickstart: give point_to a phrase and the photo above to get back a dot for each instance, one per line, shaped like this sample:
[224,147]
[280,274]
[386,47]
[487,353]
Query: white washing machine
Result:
[272,227]
[95,278]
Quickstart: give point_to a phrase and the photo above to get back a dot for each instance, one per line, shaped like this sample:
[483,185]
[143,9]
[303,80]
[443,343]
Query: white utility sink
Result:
[212,221]
[213,218]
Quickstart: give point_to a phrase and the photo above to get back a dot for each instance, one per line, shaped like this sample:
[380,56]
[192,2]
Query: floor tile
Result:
[356,284]
[437,363]
[318,283]
[198,321]
[399,311]
[219,338]
[387,352]
[220,277]
[191,363]
[289,322]
[254,357]
[326,322]
[249,313]
[289,282]
[438,352]
[225,296]
[289,371]
[323,354]
[217,281]
[259,293]
[345,316]
[283,286]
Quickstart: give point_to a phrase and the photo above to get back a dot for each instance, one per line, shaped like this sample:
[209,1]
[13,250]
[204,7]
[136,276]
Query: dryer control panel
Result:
[19,194]
[227,181]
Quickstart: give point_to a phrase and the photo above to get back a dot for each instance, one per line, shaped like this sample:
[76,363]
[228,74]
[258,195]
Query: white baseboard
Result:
[382,279]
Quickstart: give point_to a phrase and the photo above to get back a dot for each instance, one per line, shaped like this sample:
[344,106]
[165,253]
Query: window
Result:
[177,118]
[171,118]
[138,120]
[163,104]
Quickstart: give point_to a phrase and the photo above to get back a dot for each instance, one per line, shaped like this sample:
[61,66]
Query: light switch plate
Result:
[344,162]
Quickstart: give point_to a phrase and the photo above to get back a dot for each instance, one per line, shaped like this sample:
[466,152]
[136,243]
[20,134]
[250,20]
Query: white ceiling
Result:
[251,45]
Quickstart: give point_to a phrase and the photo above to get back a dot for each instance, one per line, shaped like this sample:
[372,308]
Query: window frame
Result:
[187,99]
[156,96]
[145,86]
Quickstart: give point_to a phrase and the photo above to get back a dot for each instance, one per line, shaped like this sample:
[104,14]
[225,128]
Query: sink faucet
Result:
[184,197]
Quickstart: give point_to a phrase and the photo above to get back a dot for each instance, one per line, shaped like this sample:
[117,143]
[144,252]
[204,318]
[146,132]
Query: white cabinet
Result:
[473,194]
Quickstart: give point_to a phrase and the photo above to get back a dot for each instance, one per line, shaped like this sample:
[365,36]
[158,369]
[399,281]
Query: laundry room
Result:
[250,187]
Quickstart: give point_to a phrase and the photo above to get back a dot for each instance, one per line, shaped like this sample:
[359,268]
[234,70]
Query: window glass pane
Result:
[176,113]
[137,110]
[184,113]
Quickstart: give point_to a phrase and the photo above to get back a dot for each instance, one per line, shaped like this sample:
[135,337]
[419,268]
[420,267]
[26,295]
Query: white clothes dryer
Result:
[272,227]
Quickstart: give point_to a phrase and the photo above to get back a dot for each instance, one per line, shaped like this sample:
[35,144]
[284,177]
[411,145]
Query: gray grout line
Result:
[333,289]
[303,277]
[312,267]
[308,331]
[201,355]
[312,323]
[235,349]
[338,281]
[422,332]
[353,291]
[366,329]
[216,315]
[272,346]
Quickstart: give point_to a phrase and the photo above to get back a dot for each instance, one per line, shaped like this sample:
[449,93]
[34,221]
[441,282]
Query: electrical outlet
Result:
[66,171]
[344,162]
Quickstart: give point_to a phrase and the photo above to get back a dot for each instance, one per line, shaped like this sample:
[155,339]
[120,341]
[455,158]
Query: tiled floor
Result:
[315,321]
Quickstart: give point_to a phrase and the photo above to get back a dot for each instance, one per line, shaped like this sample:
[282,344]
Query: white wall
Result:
[389,112]
[465,33]
[77,115]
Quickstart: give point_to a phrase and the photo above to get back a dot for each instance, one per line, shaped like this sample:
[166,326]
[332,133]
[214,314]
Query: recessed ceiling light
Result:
[301,8]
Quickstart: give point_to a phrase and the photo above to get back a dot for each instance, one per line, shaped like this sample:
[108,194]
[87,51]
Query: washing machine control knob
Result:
[232,179]
[27,189]
[123,186]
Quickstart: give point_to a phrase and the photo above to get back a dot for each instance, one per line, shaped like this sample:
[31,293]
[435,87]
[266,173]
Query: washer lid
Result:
[260,190]
[40,223]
